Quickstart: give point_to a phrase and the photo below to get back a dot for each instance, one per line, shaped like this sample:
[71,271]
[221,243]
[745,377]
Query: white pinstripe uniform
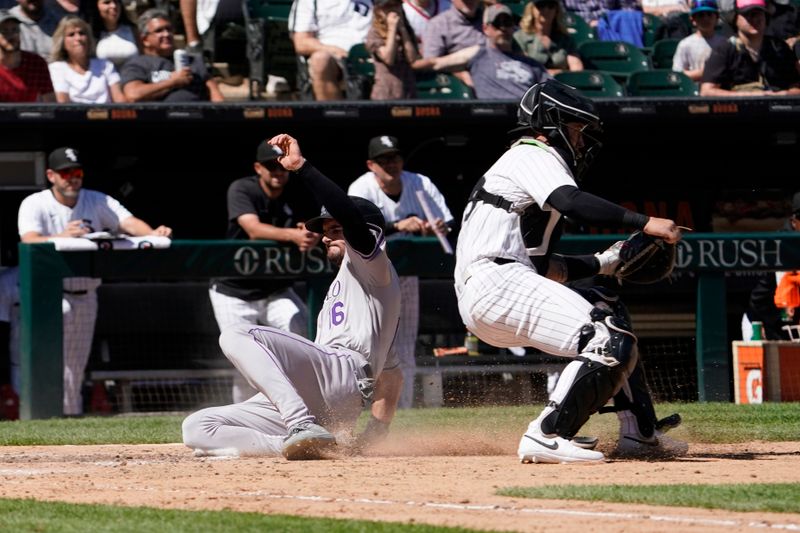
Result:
[366,186]
[300,380]
[42,213]
[512,304]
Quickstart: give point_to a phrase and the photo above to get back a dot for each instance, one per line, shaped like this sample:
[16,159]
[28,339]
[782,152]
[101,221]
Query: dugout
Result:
[710,164]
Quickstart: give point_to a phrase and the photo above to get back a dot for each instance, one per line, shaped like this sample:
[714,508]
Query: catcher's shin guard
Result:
[593,378]
[635,397]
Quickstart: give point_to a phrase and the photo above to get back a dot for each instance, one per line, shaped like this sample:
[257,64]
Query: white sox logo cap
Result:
[62,158]
[382,145]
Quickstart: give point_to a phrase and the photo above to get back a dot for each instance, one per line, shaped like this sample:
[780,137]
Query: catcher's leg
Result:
[587,383]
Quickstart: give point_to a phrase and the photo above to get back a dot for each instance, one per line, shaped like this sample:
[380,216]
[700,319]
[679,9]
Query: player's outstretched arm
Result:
[327,193]
[385,397]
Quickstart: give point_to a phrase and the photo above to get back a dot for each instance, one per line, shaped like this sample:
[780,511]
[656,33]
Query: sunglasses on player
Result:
[71,173]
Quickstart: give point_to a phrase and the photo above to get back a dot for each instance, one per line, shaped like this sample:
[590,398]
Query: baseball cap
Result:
[371,213]
[744,6]
[536,2]
[266,152]
[62,158]
[5,15]
[493,11]
[698,6]
[382,145]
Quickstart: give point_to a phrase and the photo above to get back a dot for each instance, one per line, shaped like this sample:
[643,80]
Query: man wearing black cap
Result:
[67,210]
[23,75]
[309,391]
[267,206]
[761,306]
[396,193]
[750,63]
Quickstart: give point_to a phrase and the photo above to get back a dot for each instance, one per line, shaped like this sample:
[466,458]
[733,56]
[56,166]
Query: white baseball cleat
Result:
[307,441]
[536,448]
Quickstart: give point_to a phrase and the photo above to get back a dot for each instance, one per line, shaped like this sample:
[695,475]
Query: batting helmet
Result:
[368,210]
[548,107]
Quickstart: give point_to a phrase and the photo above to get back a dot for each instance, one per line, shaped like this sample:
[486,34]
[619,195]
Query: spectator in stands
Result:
[497,71]
[761,305]
[153,76]
[784,21]
[199,18]
[394,190]
[267,206]
[62,8]
[750,63]
[116,36]
[77,76]
[588,10]
[693,51]
[67,210]
[392,44]
[323,31]
[452,31]
[543,36]
[419,12]
[23,75]
[37,25]
[663,8]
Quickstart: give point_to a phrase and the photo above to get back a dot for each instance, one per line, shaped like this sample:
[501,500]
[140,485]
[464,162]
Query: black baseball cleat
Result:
[307,441]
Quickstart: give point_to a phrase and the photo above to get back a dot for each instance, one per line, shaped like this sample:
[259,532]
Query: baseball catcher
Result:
[510,284]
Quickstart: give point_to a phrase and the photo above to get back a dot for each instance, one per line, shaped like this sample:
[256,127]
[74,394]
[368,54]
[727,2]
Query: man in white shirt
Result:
[68,210]
[323,31]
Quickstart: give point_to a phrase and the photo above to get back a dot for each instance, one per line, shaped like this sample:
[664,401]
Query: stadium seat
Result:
[663,52]
[660,83]
[592,83]
[360,73]
[578,28]
[441,86]
[617,58]
[650,25]
[269,48]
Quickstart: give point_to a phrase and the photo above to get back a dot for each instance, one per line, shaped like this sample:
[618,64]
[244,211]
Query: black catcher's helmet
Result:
[549,106]
[368,210]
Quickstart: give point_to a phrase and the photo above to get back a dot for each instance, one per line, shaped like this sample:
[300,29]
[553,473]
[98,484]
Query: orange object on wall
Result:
[766,371]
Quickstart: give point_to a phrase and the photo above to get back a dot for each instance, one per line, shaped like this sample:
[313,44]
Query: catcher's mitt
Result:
[645,259]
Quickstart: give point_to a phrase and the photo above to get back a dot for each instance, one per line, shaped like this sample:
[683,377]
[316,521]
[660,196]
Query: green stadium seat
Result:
[618,58]
[441,86]
[663,52]
[360,73]
[658,83]
[650,25]
[578,28]
[269,48]
[592,83]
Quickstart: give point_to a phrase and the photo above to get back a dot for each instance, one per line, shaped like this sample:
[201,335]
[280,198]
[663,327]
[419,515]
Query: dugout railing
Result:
[42,269]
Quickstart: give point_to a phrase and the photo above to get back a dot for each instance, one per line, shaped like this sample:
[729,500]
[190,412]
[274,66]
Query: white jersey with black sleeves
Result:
[525,175]
[362,308]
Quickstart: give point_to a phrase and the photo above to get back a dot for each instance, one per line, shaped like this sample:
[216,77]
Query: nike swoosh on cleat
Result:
[553,446]
[645,442]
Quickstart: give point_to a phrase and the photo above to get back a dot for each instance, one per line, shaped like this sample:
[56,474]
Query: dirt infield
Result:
[442,483]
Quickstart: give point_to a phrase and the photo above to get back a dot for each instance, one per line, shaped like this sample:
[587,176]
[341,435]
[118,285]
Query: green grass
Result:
[702,422]
[44,517]
[763,497]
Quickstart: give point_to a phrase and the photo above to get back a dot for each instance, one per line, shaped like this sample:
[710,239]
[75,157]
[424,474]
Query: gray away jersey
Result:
[525,175]
[362,307]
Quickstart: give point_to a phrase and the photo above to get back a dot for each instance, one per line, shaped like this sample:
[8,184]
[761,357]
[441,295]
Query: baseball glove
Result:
[645,259]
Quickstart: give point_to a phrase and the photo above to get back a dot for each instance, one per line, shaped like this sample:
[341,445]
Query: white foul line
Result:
[526,510]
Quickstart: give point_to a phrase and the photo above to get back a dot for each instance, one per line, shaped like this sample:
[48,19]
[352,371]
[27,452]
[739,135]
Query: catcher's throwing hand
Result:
[292,158]
[664,228]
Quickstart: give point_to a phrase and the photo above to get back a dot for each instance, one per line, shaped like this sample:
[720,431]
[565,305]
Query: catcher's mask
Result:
[368,210]
[548,107]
